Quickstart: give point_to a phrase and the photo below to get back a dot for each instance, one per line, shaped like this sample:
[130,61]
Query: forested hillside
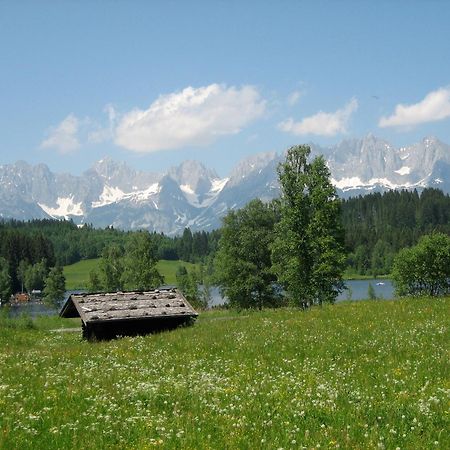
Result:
[67,243]
[378,225]
[41,244]
[18,249]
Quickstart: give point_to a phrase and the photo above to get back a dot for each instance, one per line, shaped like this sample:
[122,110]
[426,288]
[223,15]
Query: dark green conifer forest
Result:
[378,225]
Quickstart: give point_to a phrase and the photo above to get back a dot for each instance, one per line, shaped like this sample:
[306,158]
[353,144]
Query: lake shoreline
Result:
[356,290]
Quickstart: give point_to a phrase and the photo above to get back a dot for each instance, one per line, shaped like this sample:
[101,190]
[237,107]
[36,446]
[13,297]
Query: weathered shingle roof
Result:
[119,306]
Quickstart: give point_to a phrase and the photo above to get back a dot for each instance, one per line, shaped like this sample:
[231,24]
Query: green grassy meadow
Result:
[370,374]
[77,275]
[168,269]
[353,276]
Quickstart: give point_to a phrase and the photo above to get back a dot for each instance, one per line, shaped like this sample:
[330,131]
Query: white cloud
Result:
[322,123]
[435,106]
[102,134]
[99,135]
[64,137]
[294,97]
[194,116]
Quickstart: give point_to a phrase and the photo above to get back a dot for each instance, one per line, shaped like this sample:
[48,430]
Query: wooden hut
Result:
[108,315]
[21,297]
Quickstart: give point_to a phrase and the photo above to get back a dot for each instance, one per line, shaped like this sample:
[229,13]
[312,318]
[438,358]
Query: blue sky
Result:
[155,83]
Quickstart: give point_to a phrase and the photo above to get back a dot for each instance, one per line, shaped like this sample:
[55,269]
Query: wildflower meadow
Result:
[352,375]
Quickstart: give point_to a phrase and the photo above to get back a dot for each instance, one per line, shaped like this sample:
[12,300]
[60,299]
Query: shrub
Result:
[425,268]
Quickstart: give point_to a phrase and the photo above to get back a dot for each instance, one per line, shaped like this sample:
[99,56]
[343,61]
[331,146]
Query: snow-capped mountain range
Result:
[191,195]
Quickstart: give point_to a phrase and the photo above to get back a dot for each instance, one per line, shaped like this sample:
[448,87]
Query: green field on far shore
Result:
[355,375]
[366,277]
[77,275]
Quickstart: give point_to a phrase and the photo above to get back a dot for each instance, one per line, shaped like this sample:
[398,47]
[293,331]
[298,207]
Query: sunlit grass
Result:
[168,269]
[351,275]
[354,375]
[77,275]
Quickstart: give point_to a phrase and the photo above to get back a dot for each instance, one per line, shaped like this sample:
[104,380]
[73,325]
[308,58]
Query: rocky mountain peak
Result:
[191,165]
[108,169]
[251,164]
[193,175]
[120,175]
[431,140]
[439,148]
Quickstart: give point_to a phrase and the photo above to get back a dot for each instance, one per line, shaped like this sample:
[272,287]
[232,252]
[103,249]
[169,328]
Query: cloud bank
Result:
[435,106]
[294,97]
[64,137]
[194,116]
[322,123]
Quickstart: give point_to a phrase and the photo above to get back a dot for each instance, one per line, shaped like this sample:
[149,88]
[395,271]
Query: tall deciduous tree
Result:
[94,283]
[22,270]
[35,276]
[308,251]
[111,268]
[140,262]
[55,286]
[189,285]
[243,264]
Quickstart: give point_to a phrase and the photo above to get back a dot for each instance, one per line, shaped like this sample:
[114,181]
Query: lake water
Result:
[31,309]
[358,290]
[34,309]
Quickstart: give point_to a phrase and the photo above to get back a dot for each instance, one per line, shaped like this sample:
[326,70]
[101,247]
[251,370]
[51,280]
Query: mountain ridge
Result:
[192,195]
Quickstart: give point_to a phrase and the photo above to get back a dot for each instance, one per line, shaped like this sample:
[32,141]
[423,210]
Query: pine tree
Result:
[5,281]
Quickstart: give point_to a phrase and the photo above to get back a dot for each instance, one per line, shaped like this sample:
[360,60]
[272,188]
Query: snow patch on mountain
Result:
[190,195]
[405,170]
[108,196]
[218,184]
[348,183]
[384,182]
[355,183]
[203,200]
[187,189]
[145,194]
[112,195]
[66,207]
